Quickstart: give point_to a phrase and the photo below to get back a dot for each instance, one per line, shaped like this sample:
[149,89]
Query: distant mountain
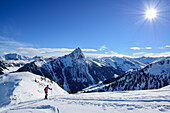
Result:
[124,63]
[147,60]
[12,62]
[13,56]
[153,76]
[74,71]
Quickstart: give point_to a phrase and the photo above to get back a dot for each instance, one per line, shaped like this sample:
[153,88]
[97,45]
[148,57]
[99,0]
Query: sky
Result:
[101,28]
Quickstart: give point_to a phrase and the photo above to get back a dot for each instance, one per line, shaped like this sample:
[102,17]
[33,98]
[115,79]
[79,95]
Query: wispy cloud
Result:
[139,53]
[164,54]
[106,54]
[42,50]
[92,50]
[9,45]
[166,46]
[102,48]
[161,48]
[48,50]
[9,42]
[11,30]
[56,54]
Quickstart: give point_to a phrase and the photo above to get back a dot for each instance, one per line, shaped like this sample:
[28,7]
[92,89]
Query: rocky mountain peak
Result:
[77,53]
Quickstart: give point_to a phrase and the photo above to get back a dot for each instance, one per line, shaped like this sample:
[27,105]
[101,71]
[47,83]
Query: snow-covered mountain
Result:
[127,64]
[13,56]
[12,62]
[25,86]
[148,60]
[7,66]
[124,63]
[153,76]
[74,71]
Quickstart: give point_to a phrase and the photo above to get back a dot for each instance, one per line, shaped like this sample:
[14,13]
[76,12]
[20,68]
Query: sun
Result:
[151,14]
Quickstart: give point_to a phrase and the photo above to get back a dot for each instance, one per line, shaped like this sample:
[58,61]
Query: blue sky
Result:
[100,27]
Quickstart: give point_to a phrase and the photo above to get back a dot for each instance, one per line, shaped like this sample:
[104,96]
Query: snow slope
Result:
[24,86]
[141,101]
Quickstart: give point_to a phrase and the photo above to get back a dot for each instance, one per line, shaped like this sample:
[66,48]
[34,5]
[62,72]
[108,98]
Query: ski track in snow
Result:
[157,101]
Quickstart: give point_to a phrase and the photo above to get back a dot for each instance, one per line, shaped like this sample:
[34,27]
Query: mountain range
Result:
[74,72]
[153,76]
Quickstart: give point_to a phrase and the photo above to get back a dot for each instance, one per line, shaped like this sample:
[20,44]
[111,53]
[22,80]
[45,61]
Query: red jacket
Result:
[46,89]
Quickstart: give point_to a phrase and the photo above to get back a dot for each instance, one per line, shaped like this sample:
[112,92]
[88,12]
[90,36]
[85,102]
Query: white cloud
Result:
[102,48]
[161,48]
[166,46]
[107,54]
[139,53]
[92,50]
[48,50]
[148,47]
[164,54]
[135,48]
[43,50]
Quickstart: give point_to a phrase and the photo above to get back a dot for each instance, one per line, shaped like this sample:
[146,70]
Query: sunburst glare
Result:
[154,12]
[151,14]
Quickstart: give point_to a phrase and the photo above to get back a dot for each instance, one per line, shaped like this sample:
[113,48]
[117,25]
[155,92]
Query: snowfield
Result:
[24,86]
[27,96]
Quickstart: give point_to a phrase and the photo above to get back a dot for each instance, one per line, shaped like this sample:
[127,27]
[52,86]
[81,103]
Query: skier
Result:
[46,91]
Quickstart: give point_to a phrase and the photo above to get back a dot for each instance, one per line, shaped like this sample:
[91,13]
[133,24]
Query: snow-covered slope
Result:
[152,76]
[140,101]
[25,86]
[73,71]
